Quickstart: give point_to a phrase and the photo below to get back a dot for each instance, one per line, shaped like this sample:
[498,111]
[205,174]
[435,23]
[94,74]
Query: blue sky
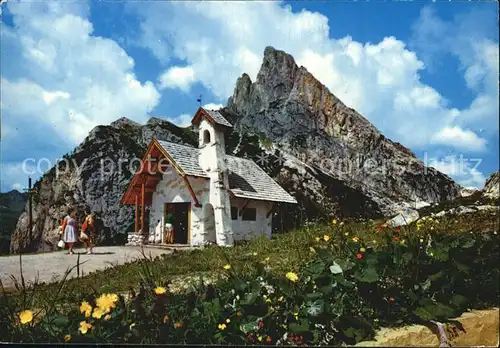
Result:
[424,73]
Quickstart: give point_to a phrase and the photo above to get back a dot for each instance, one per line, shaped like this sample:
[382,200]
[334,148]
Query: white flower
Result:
[237,297]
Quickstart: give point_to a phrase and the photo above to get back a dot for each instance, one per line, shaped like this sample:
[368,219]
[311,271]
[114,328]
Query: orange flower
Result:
[165,319]
[177,325]
[238,314]
[269,339]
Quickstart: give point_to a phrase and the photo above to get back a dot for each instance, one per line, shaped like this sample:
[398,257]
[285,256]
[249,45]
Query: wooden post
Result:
[30,197]
[136,228]
[143,189]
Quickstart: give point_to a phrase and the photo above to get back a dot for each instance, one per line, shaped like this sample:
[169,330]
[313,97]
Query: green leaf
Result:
[461,267]
[315,308]
[424,314]
[249,327]
[459,301]
[60,321]
[468,244]
[371,259]
[369,275]
[412,296]
[249,298]
[346,264]
[314,296]
[335,268]
[436,276]
[315,268]
[302,326]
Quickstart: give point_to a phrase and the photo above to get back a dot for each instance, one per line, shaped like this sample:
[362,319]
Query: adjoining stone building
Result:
[214,197]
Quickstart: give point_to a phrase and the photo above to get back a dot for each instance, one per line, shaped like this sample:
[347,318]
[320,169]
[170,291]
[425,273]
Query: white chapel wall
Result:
[173,189]
[245,230]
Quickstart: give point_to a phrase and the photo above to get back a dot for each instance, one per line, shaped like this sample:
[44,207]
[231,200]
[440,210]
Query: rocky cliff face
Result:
[328,156]
[492,186]
[93,176]
[343,154]
[11,206]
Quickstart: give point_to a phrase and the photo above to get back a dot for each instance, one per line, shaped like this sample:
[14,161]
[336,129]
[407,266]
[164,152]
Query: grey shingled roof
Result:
[218,118]
[246,178]
[185,156]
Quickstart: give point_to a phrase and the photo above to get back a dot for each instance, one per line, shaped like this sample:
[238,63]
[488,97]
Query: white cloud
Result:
[17,186]
[177,77]
[461,169]
[460,139]
[380,80]
[213,106]
[64,81]
[183,120]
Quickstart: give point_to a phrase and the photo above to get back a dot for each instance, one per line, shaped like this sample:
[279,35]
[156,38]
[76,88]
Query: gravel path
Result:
[48,267]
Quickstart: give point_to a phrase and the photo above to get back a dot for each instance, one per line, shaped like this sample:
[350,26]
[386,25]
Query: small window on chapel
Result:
[249,214]
[234,213]
[206,136]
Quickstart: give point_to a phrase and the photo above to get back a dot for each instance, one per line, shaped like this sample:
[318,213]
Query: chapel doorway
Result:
[180,213]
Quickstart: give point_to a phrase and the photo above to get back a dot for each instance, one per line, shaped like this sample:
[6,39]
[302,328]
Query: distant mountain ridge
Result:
[325,154]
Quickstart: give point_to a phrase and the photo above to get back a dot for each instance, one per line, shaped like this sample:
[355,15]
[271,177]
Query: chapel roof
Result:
[212,116]
[246,178]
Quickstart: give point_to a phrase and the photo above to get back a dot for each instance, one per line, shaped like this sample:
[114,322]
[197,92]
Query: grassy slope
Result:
[286,252]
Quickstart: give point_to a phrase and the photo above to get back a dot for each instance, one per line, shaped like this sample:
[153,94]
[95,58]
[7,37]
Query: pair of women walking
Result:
[70,233]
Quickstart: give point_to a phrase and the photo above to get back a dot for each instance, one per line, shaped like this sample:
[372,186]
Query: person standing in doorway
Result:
[69,229]
[88,228]
[169,227]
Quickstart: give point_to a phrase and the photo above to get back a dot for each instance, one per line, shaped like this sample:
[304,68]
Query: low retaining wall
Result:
[480,328]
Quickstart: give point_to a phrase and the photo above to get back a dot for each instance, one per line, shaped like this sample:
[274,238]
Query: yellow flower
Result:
[226,267]
[222,326]
[326,238]
[296,315]
[401,212]
[362,250]
[84,327]
[228,320]
[86,308]
[160,290]
[292,276]
[431,254]
[107,317]
[106,302]
[26,317]
[131,326]
[254,254]
[355,239]
[268,300]
[346,234]
[165,319]
[259,338]
[98,313]
[67,338]
[317,239]
[334,222]
[374,241]
[421,240]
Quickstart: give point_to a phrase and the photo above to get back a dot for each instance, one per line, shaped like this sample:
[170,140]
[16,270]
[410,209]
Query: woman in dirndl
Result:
[70,230]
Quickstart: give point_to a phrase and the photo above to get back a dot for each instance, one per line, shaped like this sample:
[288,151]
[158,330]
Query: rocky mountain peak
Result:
[293,110]
[492,186]
[124,122]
